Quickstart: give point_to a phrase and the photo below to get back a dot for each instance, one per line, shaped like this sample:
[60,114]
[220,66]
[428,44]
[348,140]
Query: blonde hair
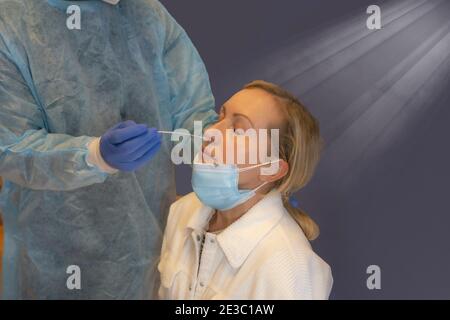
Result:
[300,147]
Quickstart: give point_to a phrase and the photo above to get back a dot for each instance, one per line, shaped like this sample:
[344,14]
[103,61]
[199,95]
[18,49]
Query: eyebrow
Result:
[238,114]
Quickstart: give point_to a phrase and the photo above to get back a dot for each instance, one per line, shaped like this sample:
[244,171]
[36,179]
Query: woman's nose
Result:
[210,135]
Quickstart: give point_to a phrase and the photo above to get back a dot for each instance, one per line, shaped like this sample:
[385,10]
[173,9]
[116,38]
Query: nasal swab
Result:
[183,134]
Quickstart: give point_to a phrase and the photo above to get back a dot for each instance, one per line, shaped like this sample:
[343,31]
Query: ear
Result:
[283,168]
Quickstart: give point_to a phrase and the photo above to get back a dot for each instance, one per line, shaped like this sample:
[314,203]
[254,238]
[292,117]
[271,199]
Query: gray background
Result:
[380,194]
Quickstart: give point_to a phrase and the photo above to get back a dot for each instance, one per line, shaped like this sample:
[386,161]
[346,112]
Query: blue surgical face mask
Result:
[217,186]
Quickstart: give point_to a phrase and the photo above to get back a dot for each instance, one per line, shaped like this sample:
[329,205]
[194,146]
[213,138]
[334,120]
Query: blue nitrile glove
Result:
[127,146]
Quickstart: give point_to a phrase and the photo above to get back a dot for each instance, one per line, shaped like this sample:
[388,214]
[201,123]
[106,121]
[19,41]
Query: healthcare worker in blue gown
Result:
[88,180]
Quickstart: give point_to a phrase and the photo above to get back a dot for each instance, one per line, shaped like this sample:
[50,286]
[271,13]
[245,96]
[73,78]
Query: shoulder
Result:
[17,17]
[155,17]
[19,11]
[181,211]
[153,8]
[153,4]
[186,203]
[11,11]
[11,5]
[12,20]
[299,270]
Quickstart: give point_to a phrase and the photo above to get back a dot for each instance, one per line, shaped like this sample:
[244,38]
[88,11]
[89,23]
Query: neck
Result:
[223,218]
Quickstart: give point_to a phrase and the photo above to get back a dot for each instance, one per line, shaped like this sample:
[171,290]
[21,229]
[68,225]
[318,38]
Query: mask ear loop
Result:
[240,169]
[257,165]
[260,186]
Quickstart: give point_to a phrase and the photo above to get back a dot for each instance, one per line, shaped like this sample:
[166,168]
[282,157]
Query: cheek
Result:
[245,151]
[251,150]
[247,179]
[235,149]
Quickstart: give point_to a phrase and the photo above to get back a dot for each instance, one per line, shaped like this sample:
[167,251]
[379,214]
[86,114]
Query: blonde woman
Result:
[237,236]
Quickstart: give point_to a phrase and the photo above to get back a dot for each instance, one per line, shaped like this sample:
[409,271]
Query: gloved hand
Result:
[127,146]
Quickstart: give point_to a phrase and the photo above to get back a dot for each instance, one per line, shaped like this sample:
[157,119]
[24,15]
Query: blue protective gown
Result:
[58,89]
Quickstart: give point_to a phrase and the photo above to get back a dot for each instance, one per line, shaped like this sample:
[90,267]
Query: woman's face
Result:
[247,109]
